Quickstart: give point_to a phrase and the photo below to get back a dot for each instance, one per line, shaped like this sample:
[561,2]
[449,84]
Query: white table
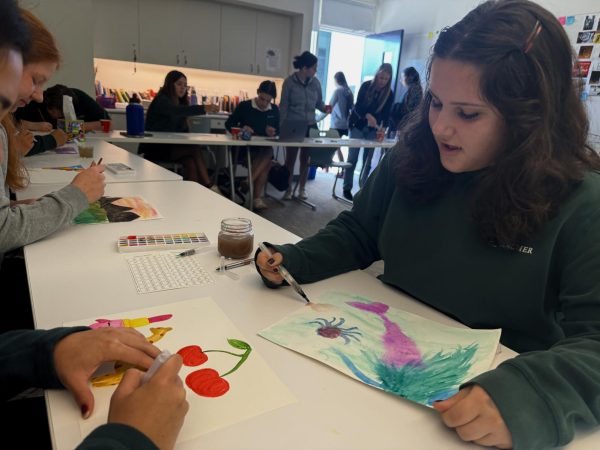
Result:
[225,140]
[144,170]
[333,411]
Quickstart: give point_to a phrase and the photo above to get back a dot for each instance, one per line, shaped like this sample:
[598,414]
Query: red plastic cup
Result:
[105,125]
[235,132]
[328,109]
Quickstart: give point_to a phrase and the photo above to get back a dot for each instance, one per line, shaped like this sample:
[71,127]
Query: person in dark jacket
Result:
[259,117]
[370,114]
[147,416]
[410,100]
[169,112]
[44,116]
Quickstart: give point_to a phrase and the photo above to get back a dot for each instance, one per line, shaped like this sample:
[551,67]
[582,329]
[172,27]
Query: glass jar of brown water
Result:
[236,238]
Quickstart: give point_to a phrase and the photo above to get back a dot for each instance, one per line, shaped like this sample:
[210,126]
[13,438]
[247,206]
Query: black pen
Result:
[241,263]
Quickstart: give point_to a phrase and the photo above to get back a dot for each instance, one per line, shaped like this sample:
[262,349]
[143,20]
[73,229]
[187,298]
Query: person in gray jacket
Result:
[301,95]
[27,221]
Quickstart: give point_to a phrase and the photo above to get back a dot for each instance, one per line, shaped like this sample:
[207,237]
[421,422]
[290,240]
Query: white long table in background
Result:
[162,137]
[226,141]
[78,273]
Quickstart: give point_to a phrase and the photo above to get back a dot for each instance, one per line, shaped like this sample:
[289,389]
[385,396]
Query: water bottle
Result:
[134,115]
[193,97]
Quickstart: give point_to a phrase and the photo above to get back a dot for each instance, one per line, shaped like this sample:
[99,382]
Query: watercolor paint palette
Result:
[152,242]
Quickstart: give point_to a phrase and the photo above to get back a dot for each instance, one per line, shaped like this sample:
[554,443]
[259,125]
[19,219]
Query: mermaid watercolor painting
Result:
[387,348]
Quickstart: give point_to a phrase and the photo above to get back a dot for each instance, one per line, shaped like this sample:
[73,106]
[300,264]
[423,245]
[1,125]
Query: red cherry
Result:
[207,383]
[193,355]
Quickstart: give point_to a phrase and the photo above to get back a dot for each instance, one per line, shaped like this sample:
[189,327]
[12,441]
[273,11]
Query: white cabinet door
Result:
[116,32]
[201,34]
[273,44]
[160,32]
[238,40]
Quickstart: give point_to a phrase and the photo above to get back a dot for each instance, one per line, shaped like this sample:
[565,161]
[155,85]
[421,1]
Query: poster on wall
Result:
[584,33]
[273,57]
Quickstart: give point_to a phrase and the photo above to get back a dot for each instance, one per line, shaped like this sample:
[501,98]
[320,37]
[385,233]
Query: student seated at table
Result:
[50,110]
[27,221]
[169,112]
[259,117]
[488,210]
[43,115]
[142,416]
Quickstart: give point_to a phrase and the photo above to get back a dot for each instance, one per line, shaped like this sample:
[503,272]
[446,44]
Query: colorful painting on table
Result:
[117,209]
[385,347]
[226,378]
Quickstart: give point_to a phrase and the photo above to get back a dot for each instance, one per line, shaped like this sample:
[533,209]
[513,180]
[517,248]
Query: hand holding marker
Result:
[285,274]
[158,362]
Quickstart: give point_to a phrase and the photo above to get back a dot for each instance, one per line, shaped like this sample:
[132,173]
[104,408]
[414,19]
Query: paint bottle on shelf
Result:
[193,97]
[134,116]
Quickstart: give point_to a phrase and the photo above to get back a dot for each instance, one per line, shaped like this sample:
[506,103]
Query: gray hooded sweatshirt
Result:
[299,100]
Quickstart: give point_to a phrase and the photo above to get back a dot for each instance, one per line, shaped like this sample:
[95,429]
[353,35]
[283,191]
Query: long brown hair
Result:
[42,49]
[380,96]
[526,62]
[168,87]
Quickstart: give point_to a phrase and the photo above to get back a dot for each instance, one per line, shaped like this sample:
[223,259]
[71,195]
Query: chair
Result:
[323,157]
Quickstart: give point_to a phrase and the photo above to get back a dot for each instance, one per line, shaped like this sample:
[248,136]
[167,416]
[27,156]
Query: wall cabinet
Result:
[181,33]
[193,33]
[116,33]
[254,42]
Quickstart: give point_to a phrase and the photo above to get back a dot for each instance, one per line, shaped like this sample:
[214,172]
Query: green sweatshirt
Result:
[544,294]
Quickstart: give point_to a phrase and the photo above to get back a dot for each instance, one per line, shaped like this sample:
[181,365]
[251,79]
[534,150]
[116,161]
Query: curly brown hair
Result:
[526,61]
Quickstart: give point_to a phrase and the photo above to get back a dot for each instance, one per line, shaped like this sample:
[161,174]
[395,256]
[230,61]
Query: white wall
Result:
[418,18]
[71,22]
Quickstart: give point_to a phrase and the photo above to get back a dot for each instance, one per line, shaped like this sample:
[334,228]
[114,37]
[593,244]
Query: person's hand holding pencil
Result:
[91,181]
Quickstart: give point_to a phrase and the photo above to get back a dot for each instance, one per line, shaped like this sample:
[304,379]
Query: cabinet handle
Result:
[185,59]
[258,68]
[178,59]
[251,67]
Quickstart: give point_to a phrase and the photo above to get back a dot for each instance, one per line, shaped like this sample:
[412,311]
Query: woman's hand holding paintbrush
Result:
[91,182]
[271,267]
